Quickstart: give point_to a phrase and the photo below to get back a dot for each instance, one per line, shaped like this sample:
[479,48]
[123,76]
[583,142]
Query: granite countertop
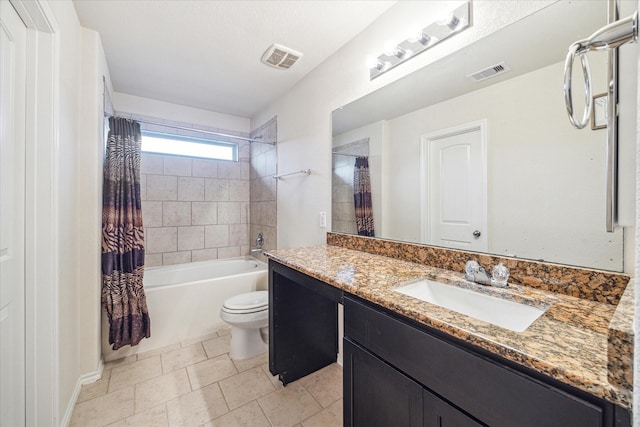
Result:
[570,342]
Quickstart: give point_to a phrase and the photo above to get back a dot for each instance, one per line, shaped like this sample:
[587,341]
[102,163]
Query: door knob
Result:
[477,234]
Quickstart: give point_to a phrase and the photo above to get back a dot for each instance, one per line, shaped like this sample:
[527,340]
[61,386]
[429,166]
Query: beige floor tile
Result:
[154,417]
[330,416]
[103,410]
[161,389]
[249,415]
[210,371]
[325,385]
[217,346]
[96,389]
[245,387]
[188,342]
[120,362]
[157,351]
[182,357]
[133,373]
[273,378]
[246,364]
[289,406]
[224,331]
[197,407]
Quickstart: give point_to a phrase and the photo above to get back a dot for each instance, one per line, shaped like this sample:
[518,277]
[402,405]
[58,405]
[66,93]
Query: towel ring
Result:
[577,49]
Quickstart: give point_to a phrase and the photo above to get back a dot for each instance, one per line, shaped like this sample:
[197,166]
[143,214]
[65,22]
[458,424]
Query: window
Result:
[162,143]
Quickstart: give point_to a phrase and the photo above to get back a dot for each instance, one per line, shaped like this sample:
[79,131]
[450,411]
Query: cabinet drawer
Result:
[493,393]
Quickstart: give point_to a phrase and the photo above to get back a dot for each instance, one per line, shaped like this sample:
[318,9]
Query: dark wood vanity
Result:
[400,372]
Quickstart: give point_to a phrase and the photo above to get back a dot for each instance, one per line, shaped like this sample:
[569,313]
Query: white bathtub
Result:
[184,300]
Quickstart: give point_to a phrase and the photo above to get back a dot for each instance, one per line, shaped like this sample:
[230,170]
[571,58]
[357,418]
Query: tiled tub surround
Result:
[262,217]
[194,209]
[568,343]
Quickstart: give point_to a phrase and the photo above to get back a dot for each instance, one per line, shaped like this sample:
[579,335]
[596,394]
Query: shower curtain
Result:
[362,197]
[123,295]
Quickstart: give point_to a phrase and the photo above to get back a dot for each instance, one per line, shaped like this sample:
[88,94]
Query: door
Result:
[12,179]
[376,394]
[454,190]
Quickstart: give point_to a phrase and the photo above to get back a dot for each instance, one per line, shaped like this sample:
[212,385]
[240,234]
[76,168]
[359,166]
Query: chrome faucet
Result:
[477,274]
[259,243]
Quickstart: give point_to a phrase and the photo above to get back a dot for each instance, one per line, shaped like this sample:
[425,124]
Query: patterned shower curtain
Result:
[362,197]
[122,237]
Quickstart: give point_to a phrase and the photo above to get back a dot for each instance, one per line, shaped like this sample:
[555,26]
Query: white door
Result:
[12,199]
[454,194]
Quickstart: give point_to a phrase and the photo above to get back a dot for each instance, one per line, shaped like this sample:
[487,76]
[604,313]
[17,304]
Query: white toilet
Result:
[247,314]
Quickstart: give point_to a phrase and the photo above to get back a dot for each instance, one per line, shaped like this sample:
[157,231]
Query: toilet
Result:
[246,314]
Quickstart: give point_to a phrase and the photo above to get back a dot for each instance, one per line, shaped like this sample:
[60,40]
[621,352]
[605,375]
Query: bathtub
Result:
[184,300]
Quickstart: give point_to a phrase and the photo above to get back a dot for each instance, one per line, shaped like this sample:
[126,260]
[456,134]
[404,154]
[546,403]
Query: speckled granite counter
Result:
[570,342]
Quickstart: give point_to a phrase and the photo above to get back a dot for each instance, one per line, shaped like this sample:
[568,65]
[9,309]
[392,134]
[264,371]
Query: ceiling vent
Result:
[280,57]
[492,71]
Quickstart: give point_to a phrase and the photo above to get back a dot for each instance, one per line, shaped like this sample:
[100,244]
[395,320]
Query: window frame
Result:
[192,139]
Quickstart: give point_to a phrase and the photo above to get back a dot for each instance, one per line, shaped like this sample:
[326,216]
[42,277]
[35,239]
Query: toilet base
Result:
[246,343]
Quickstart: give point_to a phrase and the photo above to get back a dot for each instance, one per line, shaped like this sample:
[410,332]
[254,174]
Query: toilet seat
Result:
[250,302]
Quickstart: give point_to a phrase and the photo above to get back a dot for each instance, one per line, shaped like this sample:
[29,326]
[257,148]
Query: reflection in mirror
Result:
[491,165]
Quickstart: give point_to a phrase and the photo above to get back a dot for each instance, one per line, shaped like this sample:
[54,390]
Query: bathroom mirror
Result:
[491,165]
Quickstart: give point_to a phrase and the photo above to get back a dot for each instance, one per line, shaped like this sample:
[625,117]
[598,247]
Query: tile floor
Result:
[195,383]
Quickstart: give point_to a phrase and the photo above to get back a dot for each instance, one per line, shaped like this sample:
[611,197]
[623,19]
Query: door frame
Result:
[425,143]
[41,207]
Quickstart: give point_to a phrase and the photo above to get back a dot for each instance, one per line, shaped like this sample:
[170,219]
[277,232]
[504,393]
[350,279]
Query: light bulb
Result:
[389,48]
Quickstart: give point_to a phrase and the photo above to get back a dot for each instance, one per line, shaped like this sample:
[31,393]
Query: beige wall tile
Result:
[127,375]
[245,170]
[190,189]
[205,168]
[175,165]
[161,239]
[229,170]
[245,387]
[238,190]
[249,415]
[197,407]
[151,163]
[103,410]
[216,236]
[143,187]
[210,371]
[204,254]
[238,234]
[182,357]
[176,213]
[244,212]
[171,258]
[204,213]
[229,252]
[190,238]
[151,213]
[152,260]
[289,406]
[161,389]
[229,212]
[160,187]
[215,190]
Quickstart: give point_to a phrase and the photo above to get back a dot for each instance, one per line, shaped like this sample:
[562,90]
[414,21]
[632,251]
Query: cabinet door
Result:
[438,413]
[377,395]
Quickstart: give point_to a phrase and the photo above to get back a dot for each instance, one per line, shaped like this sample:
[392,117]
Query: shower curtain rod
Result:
[130,117]
[349,155]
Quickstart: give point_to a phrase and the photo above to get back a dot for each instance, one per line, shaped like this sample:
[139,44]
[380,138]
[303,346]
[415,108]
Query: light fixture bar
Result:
[457,21]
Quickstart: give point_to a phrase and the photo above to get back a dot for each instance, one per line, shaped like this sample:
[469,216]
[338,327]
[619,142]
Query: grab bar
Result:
[608,38]
[301,172]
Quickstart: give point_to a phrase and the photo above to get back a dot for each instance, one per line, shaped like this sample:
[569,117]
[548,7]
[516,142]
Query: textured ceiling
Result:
[206,54]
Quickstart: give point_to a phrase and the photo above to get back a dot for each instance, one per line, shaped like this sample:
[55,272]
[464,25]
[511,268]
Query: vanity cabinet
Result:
[459,386]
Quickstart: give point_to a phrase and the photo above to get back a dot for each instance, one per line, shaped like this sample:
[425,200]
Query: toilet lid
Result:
[248,301]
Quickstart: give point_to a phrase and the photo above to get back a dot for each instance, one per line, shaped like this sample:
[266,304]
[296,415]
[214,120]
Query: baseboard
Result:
[87,378]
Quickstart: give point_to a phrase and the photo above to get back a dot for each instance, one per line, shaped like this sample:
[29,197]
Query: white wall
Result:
[304,113]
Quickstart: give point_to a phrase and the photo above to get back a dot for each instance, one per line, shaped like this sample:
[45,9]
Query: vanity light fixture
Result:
[422,40]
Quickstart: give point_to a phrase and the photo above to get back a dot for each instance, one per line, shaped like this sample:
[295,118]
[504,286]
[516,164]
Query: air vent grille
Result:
[280,57]
[489,72]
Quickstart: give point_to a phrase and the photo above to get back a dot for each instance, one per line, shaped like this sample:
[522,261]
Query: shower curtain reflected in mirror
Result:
[123,294]
[362,197]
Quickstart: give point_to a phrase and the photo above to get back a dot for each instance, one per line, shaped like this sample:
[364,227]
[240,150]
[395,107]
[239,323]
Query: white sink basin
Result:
[500,312]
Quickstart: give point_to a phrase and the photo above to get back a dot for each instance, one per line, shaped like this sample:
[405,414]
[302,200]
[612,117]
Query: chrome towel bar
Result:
[303,171]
